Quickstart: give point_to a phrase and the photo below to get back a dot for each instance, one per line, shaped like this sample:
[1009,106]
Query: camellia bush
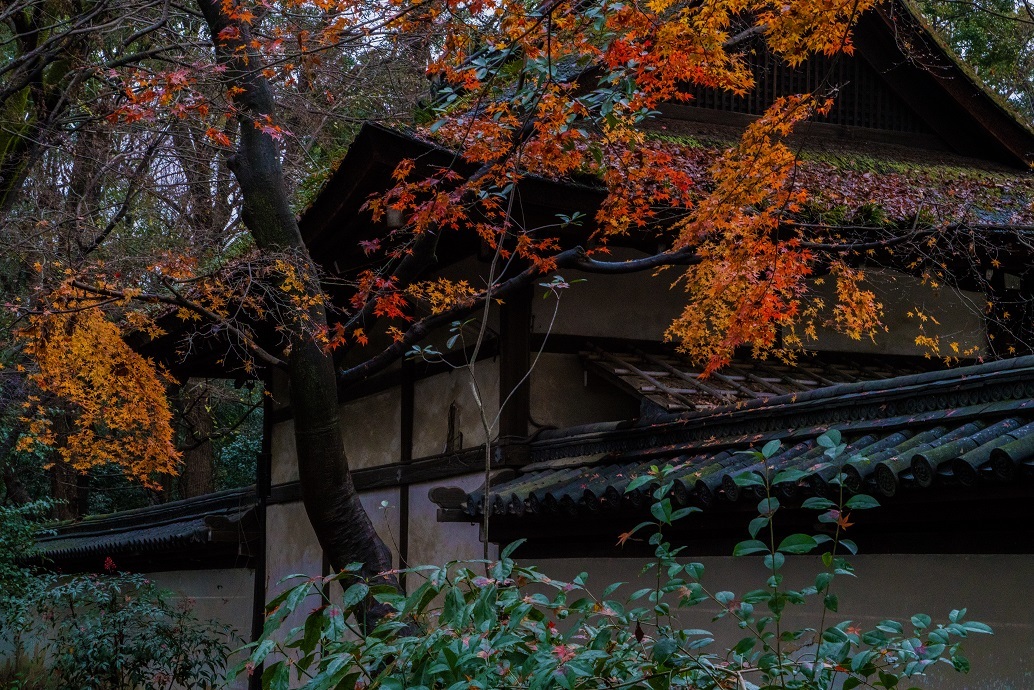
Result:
[482,624]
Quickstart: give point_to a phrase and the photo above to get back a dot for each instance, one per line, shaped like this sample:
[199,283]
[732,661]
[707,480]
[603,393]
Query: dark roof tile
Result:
[219,521]
[936,441]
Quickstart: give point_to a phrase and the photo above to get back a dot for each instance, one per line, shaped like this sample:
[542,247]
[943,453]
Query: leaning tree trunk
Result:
[343,528]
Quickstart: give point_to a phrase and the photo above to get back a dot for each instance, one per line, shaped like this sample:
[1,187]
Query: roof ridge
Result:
[165,513]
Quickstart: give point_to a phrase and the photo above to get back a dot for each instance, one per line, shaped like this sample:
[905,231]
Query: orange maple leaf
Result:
[843,521]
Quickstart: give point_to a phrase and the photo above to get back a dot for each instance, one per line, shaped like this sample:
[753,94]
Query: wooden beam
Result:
[514,361]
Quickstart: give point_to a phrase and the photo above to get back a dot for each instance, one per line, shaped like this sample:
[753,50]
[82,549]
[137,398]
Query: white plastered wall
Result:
[370,431]
[223,595]
[641,306]
[291,545]
[433,397]
[436,543]
[564,394]
[911,308]
[637,306]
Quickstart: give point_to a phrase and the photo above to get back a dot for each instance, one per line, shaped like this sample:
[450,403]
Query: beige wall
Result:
[641,307]
[994,589]
[433,397]
[563,394]
[371,426]
[954,316]
[436,543]
[637,306]
[382,506]
[291,546]
[223,595]
[371,429]
[284,461]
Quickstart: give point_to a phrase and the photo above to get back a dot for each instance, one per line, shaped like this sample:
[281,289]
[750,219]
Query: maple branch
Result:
[582,262]
[864,246]
[179,301]
[248,341]
[415,261]
[153,27]
[222,433]
[572,258]
[744,36]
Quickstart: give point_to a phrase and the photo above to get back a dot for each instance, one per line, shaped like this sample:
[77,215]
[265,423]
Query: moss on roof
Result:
[846,177]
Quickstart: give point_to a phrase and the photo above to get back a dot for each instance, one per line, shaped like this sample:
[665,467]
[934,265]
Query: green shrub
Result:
[19,526]
[114,631]
[501,625]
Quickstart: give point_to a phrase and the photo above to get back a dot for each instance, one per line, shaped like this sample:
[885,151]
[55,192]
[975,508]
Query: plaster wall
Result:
[292,548]
[371,429]
[291,545]
[382,506]
[642,306]
[284,461]
[433,396]
[952,315]
[223,595]
[994,589]
[637,306]
[436,543]
[564,394]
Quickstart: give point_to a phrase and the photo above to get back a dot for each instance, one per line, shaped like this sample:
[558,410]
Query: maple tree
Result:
[154,117]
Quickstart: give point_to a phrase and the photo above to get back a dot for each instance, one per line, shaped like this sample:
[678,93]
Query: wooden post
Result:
[514,360]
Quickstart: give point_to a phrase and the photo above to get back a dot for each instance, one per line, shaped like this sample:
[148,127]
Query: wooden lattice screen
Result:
[864,99]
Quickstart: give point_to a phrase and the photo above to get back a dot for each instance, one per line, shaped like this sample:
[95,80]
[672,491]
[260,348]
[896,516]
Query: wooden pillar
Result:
[514,360]
[407,402]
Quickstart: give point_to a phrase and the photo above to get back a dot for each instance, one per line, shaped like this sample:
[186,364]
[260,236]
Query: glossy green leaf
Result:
[745,548]
[757,524]
[510,548]
[861,502]
[637,482]
[748,479]
[797,543]
[818,503]
[789,476]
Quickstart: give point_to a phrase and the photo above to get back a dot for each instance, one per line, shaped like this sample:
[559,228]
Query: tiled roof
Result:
[674,384]
[162,531]
[963,427]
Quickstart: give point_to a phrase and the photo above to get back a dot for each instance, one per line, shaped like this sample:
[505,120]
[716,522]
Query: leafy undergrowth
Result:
[497,624]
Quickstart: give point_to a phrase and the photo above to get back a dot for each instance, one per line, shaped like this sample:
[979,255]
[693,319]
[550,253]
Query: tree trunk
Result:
[69,489]
[198,475]
[343,528]
[64,489]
